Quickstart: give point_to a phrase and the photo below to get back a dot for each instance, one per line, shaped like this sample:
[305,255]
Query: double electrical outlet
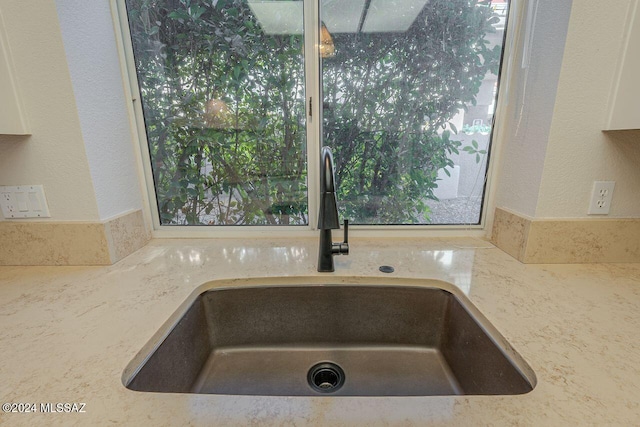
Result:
[23,201]
[601,196]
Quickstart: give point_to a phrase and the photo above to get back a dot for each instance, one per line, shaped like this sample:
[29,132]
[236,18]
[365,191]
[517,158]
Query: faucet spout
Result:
[328,218]
[328,215]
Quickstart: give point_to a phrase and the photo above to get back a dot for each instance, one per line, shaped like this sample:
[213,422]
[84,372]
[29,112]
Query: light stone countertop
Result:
[67,333]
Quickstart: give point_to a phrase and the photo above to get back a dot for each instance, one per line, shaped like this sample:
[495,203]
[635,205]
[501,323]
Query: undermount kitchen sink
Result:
[330,340]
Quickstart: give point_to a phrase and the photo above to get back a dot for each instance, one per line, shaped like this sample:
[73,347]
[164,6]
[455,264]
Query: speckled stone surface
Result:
[126,234]
[53,243]
[584,241]
[67,333]
[510,233]
[567,241]
[72,243]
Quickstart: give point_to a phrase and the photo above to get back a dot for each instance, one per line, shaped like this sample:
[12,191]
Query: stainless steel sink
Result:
[338,340]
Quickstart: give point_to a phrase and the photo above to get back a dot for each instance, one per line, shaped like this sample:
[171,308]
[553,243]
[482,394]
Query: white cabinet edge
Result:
[624,99]
[12,112]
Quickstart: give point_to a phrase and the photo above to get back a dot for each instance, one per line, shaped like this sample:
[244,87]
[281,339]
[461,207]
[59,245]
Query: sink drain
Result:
[325,377]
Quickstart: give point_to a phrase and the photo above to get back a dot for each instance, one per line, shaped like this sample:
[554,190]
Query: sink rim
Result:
[148,349]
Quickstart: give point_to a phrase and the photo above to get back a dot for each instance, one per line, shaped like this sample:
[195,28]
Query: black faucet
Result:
[328,216]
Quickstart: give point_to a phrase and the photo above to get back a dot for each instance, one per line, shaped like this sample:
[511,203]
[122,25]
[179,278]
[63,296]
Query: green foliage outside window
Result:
[224,107]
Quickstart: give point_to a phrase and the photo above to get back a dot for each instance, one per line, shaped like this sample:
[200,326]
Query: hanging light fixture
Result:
[217,114]
[327,48]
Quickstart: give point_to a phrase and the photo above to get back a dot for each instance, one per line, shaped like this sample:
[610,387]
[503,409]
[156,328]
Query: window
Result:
[404,92]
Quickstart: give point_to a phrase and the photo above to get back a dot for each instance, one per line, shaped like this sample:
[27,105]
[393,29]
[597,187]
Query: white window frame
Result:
[312,69]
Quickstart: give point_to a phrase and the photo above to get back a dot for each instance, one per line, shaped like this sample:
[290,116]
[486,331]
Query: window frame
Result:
[506,78]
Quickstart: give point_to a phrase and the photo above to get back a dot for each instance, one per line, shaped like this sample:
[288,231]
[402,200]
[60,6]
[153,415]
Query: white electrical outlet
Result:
[23,201]
[601,196]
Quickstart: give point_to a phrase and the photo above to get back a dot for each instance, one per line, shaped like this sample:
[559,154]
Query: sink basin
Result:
[337,340]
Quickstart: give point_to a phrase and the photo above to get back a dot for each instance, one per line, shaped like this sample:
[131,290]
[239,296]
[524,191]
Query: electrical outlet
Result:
[8,206]
[601,196]
[23,201]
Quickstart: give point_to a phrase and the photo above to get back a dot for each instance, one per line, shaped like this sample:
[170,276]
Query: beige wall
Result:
[54,155]
[575,152]
[578,152]
[81,147]
[529,94]
[92,56]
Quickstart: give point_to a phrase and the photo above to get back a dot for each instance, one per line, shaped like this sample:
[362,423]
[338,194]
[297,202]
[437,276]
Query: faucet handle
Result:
[342,248]
[346,233]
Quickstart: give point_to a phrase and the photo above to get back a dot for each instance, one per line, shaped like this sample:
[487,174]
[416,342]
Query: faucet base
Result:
[325,253]
[328,249]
